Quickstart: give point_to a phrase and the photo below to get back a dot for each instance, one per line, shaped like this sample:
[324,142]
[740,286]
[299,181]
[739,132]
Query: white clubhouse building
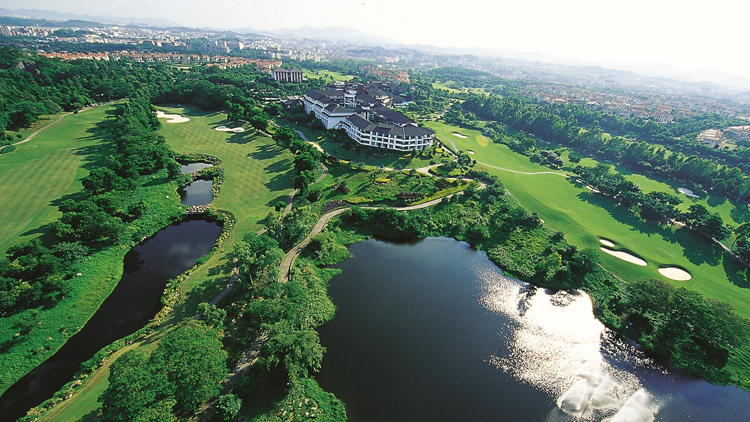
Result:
[366,120]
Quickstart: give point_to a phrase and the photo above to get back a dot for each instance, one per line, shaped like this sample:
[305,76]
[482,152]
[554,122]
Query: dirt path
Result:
[243,365]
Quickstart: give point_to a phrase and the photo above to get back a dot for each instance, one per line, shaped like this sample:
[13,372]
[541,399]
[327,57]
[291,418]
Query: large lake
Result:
[432,330]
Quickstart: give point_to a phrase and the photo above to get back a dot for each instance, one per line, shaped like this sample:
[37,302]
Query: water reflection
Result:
[433,330]
[196,193]
[193,167]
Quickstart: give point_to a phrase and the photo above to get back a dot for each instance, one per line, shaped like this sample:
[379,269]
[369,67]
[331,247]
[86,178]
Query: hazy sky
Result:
[712,35]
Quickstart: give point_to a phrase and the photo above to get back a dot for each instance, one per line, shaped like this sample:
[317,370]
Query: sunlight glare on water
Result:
[558,346]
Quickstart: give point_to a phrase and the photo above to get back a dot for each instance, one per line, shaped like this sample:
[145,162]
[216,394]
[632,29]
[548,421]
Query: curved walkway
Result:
[30,137]
[291,256]
[62,116]
[525,172]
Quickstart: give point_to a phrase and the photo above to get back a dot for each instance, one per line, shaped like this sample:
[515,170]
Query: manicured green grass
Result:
[448,87]
[585,217]
[731,212]
[44,170]
[257,172]
[327,74]
[43,121]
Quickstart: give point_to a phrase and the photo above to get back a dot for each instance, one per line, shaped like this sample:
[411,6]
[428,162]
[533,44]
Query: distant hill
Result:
[330,33]
[112,20]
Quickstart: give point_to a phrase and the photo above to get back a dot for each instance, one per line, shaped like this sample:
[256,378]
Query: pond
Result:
[432,330]
[196,193]
[193,167]
[135,300]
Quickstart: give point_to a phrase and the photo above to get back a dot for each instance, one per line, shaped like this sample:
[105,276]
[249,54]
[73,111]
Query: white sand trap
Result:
[688,192]
[459,135]
[470,152]
[226,129]
[625,256]
[173,118]
[606,242]
[675,273]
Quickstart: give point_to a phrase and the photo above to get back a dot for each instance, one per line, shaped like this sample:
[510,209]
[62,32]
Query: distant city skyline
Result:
[638,31]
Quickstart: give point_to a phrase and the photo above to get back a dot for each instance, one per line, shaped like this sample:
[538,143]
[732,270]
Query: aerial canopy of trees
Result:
[182,373]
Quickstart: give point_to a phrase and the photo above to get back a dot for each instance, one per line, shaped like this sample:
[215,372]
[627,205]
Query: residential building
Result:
[738,132]
[712,137]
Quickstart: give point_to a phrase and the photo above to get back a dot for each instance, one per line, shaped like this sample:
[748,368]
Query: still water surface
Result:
[432,330]
[135,300]
[192,167]
[196,193]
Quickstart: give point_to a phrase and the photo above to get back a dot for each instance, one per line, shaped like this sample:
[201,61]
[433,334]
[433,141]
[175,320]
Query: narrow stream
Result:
[135,300]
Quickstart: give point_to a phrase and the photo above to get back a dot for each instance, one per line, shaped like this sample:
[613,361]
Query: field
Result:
[448,87]
[585,217]
[257,174]
[327,74]
[45,169]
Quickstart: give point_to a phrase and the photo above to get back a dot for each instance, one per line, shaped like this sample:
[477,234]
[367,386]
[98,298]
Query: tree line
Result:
[519,114]
[652,206]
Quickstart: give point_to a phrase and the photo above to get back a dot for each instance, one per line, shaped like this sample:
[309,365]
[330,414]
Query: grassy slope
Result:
[42,170]
[585,217]
[257,174]
[326,74]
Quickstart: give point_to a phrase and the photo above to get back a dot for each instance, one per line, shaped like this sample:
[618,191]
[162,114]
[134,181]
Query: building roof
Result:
[367,98]
[393,116]
[317,94]
[280,70]
[389,129]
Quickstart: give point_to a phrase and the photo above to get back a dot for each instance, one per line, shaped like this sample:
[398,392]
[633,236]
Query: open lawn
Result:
[328,75]
[585,217]
[45,169]
[448,86]
[731,212]
[257,172]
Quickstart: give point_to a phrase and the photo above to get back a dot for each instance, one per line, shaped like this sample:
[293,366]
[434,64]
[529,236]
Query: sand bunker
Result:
[674,273]
[226,129]
[688,192]
[173,118]
[606,242]
[625,256]
[470,152]
[459,135]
